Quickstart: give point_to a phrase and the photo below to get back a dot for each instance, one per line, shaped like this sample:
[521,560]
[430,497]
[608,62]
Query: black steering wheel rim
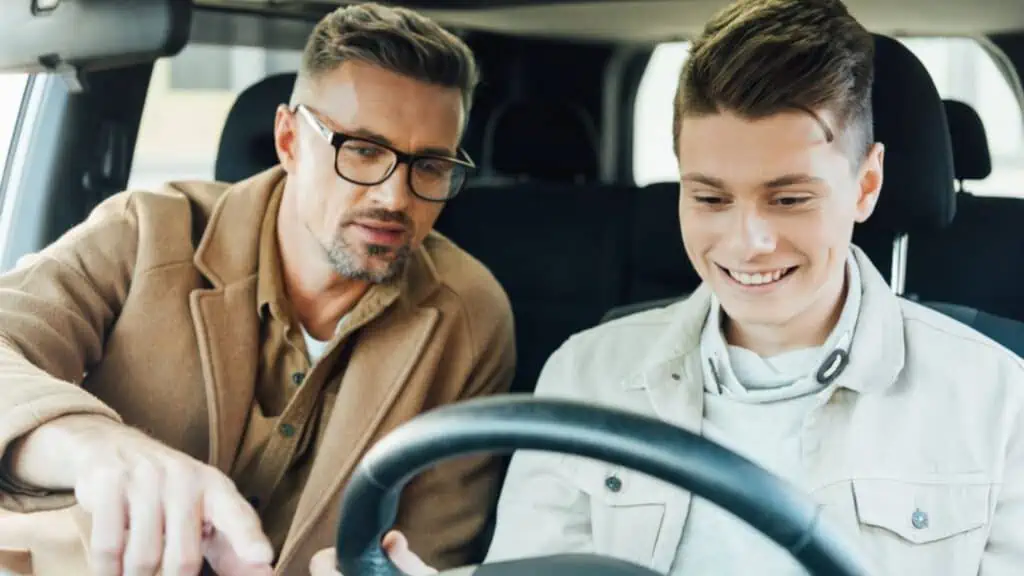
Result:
[769,504]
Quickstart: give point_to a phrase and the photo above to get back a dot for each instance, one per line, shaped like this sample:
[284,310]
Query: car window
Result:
[653,157]
[189,98]
[12,91]
[960,67]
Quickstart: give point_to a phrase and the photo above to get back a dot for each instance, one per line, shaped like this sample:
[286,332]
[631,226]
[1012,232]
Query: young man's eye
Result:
[713,200]
[792,200]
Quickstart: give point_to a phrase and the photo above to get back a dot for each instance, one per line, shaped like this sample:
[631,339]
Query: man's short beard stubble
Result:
[347,262]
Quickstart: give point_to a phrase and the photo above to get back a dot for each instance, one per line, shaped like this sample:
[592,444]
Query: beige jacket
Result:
[927,415]
[147,313]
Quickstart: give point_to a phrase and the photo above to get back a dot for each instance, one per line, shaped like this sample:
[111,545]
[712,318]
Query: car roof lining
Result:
[649,21]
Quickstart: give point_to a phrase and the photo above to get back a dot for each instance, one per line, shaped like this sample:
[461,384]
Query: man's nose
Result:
[394,193]
[756,233]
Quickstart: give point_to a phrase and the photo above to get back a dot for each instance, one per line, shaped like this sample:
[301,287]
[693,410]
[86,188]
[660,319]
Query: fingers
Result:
[233,518]
[397,548]
[183,555]
[322,563]
[103,496]
[225,562]
[156,511]
[150,516]
[395,545]
[144,548]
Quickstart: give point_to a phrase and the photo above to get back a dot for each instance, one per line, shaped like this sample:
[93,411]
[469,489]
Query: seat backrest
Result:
[247,140]
[539,141]
[558,250]
[917,192]
[977,261]
[1008,332]
[657,264]
[971,157]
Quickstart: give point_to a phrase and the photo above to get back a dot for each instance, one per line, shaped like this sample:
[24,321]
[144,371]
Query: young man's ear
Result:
[285,137]
[870,181]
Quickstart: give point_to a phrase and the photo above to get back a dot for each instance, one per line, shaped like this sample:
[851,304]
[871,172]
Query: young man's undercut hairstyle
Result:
[757,58]
[396,39]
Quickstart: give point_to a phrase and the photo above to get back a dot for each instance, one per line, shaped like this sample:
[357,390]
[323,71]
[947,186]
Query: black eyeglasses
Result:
[368,163]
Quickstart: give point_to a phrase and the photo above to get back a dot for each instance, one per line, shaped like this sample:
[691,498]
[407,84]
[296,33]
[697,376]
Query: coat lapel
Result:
[224,315]
[381,363]
[227,332]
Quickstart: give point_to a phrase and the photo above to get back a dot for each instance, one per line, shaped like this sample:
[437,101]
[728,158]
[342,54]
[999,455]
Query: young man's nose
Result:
[755,234]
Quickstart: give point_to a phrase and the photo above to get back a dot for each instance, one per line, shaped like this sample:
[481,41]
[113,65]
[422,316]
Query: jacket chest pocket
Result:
[929,528]
[627,509]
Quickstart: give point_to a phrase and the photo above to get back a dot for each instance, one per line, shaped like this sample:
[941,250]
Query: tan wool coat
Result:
[146,313]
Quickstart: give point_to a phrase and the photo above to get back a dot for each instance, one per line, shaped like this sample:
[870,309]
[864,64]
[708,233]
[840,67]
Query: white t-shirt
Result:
[756,406]
[316,348]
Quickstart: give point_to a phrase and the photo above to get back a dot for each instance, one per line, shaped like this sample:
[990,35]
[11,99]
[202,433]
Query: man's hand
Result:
[397,548]
[154,510]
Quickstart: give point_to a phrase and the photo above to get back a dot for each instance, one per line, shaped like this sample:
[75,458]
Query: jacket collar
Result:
[679,339]
[876,353]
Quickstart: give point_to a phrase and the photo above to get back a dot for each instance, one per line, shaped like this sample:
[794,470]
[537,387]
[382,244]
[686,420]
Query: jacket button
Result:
[298,377]
[919,519]
[286,430]
[613,483]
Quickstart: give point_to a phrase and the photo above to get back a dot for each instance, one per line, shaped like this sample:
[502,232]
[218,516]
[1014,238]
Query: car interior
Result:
[555,210]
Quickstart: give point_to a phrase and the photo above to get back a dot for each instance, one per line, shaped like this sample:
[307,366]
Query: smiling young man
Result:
[193,373]
[907,426]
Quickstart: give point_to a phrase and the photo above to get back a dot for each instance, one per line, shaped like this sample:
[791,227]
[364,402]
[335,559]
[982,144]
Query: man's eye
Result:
[713,200]
[365,151]
[792,200]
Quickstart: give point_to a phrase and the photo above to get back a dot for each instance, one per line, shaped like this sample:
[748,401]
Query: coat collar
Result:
[228,252]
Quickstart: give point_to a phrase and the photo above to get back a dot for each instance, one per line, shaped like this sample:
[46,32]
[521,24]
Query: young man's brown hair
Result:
[393,38]
[757,58]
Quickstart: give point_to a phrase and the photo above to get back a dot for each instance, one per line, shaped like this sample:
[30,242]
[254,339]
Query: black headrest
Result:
[541,140]
[918,192]
[247,141]
[971,158]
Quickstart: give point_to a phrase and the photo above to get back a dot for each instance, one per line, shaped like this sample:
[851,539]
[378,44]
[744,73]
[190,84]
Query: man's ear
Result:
[286,139]
[869,181]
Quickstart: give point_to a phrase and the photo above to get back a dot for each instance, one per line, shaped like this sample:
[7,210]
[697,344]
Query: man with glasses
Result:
[191,375]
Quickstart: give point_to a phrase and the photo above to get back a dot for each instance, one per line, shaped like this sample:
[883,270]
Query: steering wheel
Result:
[521,422]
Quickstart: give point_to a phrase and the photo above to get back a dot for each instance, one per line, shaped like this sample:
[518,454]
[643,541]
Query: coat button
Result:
[919,519]
[298,377]
[286,430]
[613,483]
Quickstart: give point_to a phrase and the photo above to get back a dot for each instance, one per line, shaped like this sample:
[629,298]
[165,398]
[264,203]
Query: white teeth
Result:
[757,278]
